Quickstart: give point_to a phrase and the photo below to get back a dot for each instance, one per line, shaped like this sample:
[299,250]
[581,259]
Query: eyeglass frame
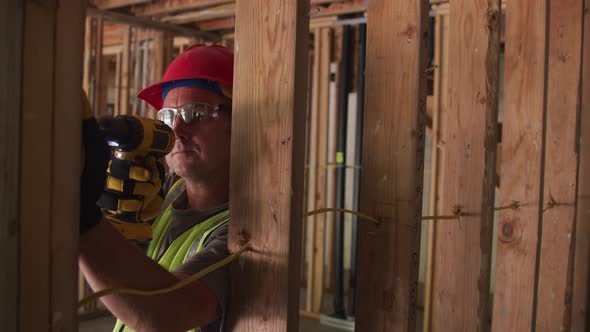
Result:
[177,112]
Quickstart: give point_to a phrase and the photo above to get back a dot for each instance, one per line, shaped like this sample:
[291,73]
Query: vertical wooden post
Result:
[50,136]
[581,288]
[318,227]
[99,102]
[312,170]
[268,140]
[463,247]
[124,107]
[441,60]
[117,101]
[66,157]
[393,164]
[522,149]
[11,14]
[556,257]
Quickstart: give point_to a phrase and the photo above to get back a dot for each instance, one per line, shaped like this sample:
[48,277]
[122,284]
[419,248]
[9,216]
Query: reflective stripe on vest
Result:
[190,241]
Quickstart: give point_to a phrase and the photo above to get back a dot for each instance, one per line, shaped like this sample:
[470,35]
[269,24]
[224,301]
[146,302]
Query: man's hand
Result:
[133,196]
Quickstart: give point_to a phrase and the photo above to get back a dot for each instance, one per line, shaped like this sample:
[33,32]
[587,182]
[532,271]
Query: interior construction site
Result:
[404,165]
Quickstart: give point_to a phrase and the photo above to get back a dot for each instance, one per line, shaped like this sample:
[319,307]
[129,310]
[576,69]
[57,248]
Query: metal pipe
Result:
[358,159]
[340,178]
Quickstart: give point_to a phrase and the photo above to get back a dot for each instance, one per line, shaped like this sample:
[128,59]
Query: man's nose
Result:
[180,129]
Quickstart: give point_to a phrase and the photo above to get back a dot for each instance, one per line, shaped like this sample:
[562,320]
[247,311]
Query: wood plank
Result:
[110,4]
[312,170]
[525,76]
[439,107]
[66,156]
[463,248]
[267,163]
[124,107]
[88,72]
[324,36]
[208,14]
[176,6]
[11,14]
[581,293]
[100,77]
[393,164]
[331,171]
[561,166]
[35,181]
[148,23]
[117,101]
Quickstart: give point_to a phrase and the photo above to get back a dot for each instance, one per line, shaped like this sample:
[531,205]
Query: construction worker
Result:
[194,99]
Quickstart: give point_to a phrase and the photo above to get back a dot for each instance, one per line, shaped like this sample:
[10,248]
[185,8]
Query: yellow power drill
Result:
[135,141]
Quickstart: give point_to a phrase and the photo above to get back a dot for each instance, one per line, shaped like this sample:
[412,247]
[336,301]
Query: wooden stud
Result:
[318,168]
[124,107]
[35,181]
[393,163]
[441,59]
[556,256]
[320,226]
[331,171]
[11,14]
[101,72]
[268,141]
[312,170]
[522,147]
[463,248]
[117,101]
[50,136]
[66,156]
[88,72]
[581,287]
[136,55]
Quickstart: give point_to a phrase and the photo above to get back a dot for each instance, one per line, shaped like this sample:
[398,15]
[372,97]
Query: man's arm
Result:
[108,260]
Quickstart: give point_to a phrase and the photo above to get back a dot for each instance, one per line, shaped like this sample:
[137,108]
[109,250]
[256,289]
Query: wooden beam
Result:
[176,6]
[463,248]
[267,163]
[50,136]
[208,14]
[124,107]
[439,107]
[111,4]
[556,257]
[324,36]
[581,287]
[35,182]
[522,148]
[66,155]
[147,23]
[11,14]
[312,171]
[393,164]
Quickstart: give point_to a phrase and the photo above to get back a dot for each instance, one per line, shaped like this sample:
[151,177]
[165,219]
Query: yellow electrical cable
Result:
[172,288]
[360,215]
[235,255]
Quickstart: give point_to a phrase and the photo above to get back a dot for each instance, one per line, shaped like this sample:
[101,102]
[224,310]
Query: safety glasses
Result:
[189,113]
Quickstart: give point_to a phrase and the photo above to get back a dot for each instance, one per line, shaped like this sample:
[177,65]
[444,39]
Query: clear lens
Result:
[167,116]
[190,113]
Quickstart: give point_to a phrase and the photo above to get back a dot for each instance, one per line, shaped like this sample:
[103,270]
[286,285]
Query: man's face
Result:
[202,148]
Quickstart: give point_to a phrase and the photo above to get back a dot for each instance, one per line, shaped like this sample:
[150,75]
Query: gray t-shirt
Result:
[214,247]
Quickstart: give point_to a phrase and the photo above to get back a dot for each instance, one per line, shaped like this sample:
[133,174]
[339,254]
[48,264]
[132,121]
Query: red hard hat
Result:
[214,63]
